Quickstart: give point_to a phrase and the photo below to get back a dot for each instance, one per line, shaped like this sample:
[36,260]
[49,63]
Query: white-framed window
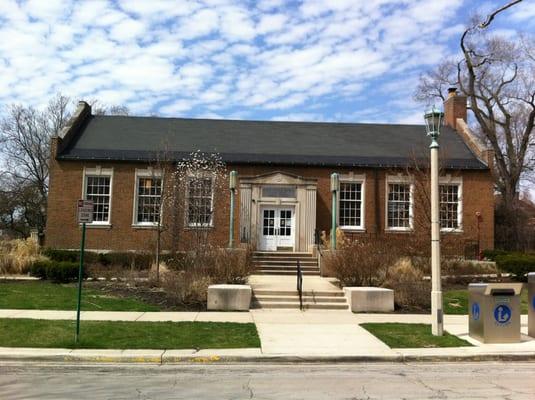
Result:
[450,195]
[97,186]
[148,197]
[351,203]
[200,199]
[399,204]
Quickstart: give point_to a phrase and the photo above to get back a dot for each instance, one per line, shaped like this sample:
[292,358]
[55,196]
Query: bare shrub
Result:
[233,265]
[189,274]
[341,239]
[17,256]
[411,292]
[363,262]
[460,266]
[185,287]
[98,270]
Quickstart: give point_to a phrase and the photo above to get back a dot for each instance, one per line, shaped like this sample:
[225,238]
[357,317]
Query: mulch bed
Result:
[142,291]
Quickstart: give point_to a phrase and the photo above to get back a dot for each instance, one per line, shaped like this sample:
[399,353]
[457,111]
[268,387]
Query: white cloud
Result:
[158,9]
[236,24]
[127,29]
[268,59]
[199,24]
[271,23]
[49,10]
[307,117]
[176,107]
[523,12]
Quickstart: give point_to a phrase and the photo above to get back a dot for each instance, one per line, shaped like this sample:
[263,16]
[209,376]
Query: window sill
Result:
[394,230]
[454,231]
[140,226]
[195,228]
[352,229]
[97,226]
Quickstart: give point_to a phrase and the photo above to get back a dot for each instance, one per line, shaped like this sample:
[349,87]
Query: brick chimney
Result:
[454,107]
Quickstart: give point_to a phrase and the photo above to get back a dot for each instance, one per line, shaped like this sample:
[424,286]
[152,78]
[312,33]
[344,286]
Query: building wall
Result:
[66,188]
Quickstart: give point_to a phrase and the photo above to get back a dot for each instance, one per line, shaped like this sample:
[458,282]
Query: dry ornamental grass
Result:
[16,256]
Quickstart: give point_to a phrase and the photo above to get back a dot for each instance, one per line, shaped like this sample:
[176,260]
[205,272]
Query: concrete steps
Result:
[284,263]
[309,293]
[289,262]
[282,271]
[306,305]
[289,299]
[306,299]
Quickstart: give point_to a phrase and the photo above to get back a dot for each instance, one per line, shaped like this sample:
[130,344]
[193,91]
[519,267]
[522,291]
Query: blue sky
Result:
[330,60]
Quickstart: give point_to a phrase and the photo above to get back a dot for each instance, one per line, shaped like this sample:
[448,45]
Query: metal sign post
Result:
[85,215]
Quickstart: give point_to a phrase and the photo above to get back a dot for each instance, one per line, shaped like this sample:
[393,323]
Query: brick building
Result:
[283,191]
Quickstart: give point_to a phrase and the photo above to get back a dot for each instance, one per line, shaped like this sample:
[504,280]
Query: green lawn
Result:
[397,335]
[51,296]
[127,335]
[456,302]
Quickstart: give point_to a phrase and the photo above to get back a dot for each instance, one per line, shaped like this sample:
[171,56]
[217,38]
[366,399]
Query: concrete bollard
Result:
[369,299]
[229,297]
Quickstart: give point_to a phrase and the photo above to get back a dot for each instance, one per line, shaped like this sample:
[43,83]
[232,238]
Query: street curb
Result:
[213,357]
[471,357]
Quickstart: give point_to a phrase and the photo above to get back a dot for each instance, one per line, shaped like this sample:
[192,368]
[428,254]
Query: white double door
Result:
[277,228]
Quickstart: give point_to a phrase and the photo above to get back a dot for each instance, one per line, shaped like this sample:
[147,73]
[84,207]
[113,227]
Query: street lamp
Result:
[433,121]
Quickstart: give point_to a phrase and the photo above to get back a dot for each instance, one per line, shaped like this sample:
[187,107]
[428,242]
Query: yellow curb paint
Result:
[104,359]
[206,359]
[146,360]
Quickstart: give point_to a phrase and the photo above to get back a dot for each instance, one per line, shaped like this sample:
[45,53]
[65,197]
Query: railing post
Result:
[300,285]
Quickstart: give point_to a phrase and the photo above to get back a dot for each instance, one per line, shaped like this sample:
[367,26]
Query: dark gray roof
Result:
[262,142]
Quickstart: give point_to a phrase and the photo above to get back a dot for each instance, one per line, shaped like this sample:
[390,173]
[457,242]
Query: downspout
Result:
[335,185]
[377,203]
[232,187]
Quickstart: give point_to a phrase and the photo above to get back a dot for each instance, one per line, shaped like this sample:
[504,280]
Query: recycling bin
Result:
[531,304]
[494,312]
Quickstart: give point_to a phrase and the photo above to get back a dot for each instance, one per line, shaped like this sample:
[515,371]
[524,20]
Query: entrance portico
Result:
[278,212]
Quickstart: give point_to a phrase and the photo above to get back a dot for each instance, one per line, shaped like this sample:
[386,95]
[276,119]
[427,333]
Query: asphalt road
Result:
[515,381]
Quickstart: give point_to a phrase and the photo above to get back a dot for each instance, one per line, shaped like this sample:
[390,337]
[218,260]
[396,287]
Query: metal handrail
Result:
[300,285]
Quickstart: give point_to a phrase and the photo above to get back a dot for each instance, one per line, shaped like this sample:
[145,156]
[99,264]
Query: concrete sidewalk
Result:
[156,316]
[286,336]
[318,332]
[315,332]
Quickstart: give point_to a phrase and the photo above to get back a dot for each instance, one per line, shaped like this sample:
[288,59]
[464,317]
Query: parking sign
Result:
[85,211]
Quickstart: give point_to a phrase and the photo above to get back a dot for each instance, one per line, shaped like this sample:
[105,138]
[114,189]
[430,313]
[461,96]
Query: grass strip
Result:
[399,335]
[128,335]
[42,295]
[456,302]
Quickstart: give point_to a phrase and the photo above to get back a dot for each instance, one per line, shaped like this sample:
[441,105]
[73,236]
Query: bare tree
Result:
[199,186]
[162,168]
[25,136]
[192,188]
[498,77]
[100,108]
[418,169]
[25,133]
